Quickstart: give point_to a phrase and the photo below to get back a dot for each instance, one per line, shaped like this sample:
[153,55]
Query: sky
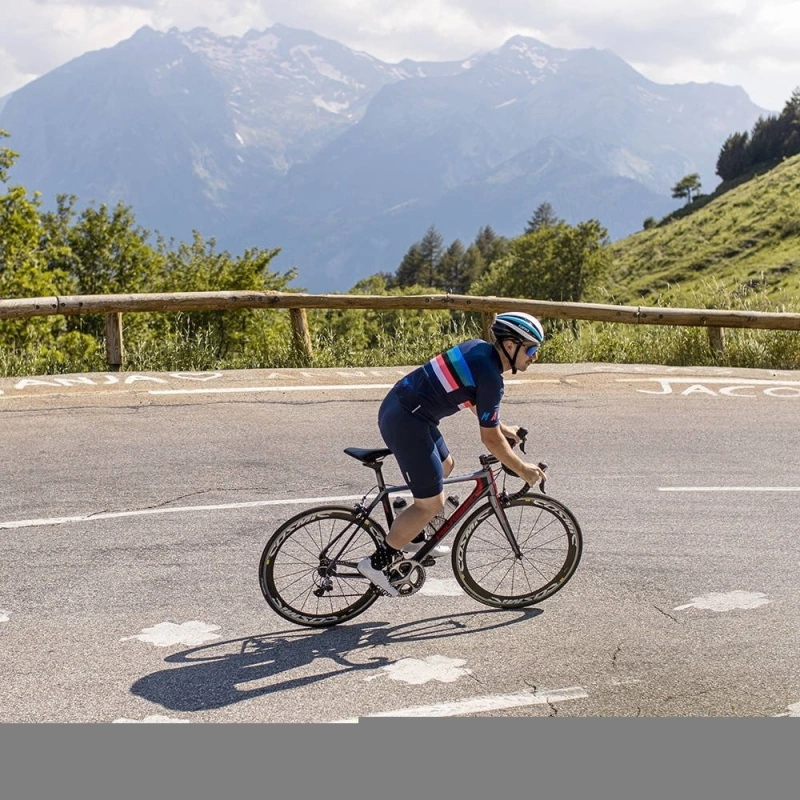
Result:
[750,43]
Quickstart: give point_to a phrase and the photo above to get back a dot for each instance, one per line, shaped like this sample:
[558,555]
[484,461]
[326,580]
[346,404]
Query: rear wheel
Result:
[308,570]
[550,541]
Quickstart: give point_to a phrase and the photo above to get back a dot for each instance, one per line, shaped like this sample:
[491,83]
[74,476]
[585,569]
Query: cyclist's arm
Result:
[496,443]
[506,430]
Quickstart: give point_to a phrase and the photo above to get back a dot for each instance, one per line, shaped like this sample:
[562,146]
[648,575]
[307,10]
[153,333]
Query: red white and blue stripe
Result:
[452,372]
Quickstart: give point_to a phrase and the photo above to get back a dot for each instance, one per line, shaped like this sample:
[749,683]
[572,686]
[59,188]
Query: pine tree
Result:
[474,267]
[491,245]
[451,268]
[431,249]
[543,217]
[410,269]
[733,159]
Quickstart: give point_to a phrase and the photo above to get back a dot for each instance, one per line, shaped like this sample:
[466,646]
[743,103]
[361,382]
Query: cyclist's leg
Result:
[447,467]
[412,519]
[444,454]
[418,448]
[422,455]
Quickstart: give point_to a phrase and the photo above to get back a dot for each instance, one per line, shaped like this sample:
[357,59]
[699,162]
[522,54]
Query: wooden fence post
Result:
[300,332]
[716,338]
[486,323]
[114,340]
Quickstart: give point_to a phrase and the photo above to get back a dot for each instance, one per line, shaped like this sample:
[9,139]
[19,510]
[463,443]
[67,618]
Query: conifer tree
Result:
[451,268]
[491,245]
[410,269]
[543,217]
[431,249]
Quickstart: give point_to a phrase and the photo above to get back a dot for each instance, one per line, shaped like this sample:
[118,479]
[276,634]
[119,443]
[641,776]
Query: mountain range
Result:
[282,138]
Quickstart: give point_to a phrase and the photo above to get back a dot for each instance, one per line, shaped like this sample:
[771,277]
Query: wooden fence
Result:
[113,306]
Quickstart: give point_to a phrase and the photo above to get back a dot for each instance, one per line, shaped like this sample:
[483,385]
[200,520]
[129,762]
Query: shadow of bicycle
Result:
[221,674]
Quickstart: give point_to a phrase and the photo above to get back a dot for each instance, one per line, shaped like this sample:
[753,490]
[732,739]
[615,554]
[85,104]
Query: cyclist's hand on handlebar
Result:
[514,436]
[532,475]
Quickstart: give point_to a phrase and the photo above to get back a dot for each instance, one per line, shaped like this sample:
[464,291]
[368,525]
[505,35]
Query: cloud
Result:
[746,42]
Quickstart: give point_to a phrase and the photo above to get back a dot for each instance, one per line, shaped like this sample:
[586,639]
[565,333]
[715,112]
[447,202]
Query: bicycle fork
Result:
[500,513]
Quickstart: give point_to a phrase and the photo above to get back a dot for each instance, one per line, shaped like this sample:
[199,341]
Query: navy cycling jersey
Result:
[469,374]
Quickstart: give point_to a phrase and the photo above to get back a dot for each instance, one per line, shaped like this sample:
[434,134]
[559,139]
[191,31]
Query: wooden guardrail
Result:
[113,306]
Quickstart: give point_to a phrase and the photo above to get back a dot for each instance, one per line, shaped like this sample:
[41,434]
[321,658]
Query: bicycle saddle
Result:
[365,454]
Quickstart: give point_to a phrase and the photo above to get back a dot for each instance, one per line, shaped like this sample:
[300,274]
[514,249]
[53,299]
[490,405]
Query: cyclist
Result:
[469,375]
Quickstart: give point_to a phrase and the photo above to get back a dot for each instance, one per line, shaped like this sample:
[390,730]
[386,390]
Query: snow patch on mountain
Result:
[327,105]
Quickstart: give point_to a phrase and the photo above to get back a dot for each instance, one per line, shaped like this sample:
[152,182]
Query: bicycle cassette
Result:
[407,577]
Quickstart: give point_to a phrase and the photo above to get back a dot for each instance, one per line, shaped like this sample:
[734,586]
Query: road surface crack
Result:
[674,619]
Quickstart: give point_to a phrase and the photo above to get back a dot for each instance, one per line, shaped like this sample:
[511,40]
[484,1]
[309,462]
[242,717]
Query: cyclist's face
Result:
[526,355]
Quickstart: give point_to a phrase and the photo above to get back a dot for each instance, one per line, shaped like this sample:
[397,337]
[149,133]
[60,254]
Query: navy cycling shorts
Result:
[416,443]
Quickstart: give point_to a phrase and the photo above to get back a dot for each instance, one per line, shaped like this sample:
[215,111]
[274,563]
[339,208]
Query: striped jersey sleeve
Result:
[467,375]
[453,373]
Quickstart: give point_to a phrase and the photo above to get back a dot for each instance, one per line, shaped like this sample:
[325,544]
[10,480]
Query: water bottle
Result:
[450,505]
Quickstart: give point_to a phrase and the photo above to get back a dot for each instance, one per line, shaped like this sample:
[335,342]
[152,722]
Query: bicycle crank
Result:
[407,577]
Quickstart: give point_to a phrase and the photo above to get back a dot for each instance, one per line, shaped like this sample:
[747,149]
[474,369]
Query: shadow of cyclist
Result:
[224,673]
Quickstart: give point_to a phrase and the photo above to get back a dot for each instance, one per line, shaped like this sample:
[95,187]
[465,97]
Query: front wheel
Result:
[308,570]
[550,541]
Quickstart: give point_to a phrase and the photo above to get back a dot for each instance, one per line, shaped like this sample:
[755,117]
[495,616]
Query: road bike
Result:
[511,551]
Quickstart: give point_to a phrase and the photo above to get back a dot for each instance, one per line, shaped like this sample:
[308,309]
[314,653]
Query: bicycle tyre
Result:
[289,569]
[551,542]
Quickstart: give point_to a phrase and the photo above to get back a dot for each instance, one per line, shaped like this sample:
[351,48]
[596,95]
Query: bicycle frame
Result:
[486,487]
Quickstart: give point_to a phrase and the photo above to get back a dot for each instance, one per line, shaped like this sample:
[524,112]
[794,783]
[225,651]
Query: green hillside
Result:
[748,236]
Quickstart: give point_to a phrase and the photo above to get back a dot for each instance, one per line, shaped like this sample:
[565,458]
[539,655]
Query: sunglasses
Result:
[530,351]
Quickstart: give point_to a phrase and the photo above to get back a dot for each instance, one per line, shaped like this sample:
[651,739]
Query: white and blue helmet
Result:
[519,327]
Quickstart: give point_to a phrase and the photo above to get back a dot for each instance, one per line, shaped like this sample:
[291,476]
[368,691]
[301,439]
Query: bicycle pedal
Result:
[428,561]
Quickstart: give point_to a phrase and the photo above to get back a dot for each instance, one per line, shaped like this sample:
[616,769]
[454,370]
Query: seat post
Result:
[376,467]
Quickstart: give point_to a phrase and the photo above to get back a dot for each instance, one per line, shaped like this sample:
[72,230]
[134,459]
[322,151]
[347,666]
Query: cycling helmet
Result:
[518,326]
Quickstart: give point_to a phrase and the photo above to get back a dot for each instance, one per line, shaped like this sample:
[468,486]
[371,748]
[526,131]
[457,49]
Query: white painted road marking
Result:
[732,387]
[5,616]
[729,488]
[703,379]
[307,388]
[444,588]
[441,587]
[418,671]
[791,711]
[727,601]
[167,634]
[480,705]
[430,588]
[33,523]
[153,718]
[240,389]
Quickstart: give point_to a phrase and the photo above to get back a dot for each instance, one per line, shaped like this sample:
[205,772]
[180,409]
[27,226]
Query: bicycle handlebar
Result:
[490,459]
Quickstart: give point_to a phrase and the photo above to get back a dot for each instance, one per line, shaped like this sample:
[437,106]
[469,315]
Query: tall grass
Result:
[684,346]
[672,346]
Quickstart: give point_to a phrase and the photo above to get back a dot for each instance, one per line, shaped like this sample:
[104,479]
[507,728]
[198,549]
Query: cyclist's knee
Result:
[447,465]
[430,505]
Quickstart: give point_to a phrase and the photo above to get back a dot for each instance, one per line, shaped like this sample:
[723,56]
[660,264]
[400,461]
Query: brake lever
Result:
[543,467]
[522,433]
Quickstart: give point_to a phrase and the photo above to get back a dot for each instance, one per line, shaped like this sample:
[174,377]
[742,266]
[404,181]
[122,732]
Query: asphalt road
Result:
[134,508]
